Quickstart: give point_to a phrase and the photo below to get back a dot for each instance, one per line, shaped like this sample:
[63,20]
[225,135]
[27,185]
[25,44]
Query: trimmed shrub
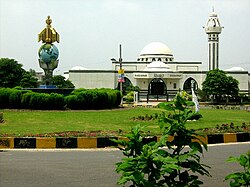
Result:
[39,101]
[56,101]
[15,98]
[25,100]
[79,99]
[118,98]
[4,97]
[93,99]
[71,102]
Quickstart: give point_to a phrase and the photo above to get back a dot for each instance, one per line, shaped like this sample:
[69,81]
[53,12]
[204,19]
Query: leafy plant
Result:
[154,165]
[240,178]
[143,164]
[129,98]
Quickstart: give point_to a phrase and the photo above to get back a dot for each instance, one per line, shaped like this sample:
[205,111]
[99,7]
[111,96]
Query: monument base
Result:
[47,86]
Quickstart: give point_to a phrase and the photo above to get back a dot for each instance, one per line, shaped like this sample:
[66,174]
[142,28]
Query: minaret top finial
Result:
[48,21]
[213,8]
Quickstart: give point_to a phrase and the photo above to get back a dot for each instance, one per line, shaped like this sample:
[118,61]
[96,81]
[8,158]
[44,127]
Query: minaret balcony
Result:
[210,30]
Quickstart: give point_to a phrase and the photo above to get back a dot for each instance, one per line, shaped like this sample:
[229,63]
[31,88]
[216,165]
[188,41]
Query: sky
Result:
[91,30]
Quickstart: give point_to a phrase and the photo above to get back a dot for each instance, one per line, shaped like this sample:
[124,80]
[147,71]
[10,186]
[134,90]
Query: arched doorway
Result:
[190,83]
[157,88]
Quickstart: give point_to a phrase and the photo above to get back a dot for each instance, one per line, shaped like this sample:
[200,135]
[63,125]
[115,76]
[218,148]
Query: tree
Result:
[233,85]
[33,72]
[217,84]
[28,81]
[60,82]
[10,73]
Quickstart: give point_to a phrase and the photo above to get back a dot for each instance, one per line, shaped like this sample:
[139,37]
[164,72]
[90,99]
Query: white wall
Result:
[242,78]
[90,80]
[108,79]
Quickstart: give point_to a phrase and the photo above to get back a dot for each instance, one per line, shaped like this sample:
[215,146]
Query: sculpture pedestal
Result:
[47,87]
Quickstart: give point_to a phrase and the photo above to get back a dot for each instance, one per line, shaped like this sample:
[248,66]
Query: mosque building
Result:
[157,73]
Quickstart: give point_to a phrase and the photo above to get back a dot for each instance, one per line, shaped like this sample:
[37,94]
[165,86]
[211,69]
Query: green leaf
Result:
[196,146]
[243,160]
[166,106]
[232,159]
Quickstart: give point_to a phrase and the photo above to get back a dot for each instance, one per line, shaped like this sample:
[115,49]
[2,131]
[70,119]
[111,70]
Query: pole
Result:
[120,61]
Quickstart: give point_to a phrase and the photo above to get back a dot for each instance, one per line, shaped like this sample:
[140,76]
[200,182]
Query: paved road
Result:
[93,168]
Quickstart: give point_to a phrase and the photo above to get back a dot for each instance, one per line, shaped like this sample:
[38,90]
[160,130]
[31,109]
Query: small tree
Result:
[60,82]
[28,81]
[217,84]
[151,165]
[10,73]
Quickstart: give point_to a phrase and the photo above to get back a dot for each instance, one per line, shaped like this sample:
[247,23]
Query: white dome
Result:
[157,66]
[235,69]
[156,48]
[78,68]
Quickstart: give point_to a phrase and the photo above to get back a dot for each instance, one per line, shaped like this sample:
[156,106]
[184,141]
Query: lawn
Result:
[33,123]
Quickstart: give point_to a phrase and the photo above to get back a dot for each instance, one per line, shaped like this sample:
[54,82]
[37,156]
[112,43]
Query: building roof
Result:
[78,68]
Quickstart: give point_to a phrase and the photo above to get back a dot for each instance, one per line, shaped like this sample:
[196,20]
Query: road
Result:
[94,168]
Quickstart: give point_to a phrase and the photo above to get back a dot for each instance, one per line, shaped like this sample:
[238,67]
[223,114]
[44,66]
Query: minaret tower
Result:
[213,29]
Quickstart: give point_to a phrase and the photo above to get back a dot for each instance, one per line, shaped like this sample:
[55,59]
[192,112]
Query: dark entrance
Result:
[157,89]
[188,84]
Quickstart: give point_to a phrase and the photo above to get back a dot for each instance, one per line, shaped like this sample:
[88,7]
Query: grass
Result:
[33,123]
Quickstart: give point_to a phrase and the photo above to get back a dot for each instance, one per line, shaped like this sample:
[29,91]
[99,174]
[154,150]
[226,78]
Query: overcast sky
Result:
[91,30]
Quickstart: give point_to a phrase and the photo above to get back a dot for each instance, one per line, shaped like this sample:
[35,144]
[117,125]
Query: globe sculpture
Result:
[48,52]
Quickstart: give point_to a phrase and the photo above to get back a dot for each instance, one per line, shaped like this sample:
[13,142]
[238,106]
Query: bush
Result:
[56,101]
[39,101]
[11,98]
[81,99]
[25,100]
[71,102]
[129,98]
[4,97]
[118,98]
[151,165]
[78,99]
[15,98]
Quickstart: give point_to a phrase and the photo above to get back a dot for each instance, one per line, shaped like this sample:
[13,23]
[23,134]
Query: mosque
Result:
[156,72]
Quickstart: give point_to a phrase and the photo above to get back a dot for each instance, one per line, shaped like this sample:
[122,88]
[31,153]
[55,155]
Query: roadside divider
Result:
[101,142]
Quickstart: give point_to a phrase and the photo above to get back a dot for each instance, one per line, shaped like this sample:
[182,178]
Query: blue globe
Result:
[48,53]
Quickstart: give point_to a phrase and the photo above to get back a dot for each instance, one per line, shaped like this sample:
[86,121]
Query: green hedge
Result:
[79,99]
[93,99]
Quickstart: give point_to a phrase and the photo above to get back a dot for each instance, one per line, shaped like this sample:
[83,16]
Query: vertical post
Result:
[120,61]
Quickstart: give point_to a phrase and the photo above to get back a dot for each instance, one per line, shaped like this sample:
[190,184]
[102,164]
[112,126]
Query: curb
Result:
[102,142]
